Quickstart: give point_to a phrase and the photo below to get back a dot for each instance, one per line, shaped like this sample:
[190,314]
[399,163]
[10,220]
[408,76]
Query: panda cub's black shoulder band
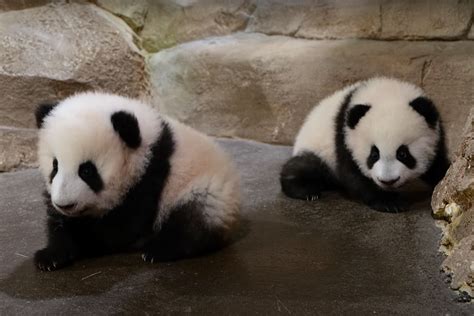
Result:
[355,114]
[42,111]
[126,125]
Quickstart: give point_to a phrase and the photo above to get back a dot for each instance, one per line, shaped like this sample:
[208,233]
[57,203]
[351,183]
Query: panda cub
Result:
[122,177]
[367,140]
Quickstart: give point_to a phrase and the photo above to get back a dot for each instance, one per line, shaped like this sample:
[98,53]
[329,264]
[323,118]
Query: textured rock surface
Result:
[49,52]
[453,201]
[317,19]
[133,12]
[17,148]
[405,19]
[7,5]
[426,19]
[172,22]
[262,87]
[460,265]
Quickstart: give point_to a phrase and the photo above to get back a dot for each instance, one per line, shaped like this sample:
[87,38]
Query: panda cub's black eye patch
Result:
[54,171]
[89,174]
[374,156]
[405,157]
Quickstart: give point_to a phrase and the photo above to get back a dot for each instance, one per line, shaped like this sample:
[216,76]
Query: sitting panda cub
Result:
[122,177]
[368,139]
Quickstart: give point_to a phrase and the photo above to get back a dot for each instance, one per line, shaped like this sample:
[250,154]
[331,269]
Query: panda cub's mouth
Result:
[71,210]
[391,184]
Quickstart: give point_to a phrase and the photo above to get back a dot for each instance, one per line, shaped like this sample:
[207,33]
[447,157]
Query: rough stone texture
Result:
[133,12]
[261,87]
[386,19]
[17,148]
[460,265]
[329,257]
[49,52]
[471,33]
[453,201]
[317,19]
[172,22]
[7,5]
[410,19]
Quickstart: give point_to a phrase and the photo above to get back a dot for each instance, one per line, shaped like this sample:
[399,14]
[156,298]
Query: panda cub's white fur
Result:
[368,139]
[119,175]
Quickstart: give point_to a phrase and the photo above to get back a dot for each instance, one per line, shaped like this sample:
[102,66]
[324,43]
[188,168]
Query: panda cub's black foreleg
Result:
[60,251]
[184,234]
[304,177]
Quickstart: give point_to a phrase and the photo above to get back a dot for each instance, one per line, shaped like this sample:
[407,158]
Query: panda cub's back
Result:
[317,134]
[200,170]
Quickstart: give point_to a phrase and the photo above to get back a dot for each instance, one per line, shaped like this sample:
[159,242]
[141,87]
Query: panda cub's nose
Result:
[389,182]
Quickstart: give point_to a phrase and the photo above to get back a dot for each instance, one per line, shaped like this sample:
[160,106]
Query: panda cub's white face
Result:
[390,142]
[86,164]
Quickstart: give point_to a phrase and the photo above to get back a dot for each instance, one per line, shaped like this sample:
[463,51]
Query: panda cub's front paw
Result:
[48,259]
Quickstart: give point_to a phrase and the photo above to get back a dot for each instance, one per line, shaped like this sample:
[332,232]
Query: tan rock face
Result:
[460,265]
[262,87]
[317,19]
[133,12]
[453,201]
[323,19]
[49,52]
[8,5]
[169,23]
[426,19]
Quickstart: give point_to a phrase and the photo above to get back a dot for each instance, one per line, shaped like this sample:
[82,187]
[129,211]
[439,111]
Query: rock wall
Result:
[244,68]
[453,204]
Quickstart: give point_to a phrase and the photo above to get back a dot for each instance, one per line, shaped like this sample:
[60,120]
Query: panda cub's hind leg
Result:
[185,233]
[304,177]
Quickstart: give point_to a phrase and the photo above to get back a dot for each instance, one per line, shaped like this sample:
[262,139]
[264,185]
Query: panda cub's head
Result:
[392,131]
[92,148]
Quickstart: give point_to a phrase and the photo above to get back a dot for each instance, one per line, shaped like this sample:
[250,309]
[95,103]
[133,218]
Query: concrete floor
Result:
[330,256]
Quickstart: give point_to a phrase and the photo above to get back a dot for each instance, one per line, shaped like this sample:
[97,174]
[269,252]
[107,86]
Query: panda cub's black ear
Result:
[427,109]
[355,114]
[42,111]
[126,125]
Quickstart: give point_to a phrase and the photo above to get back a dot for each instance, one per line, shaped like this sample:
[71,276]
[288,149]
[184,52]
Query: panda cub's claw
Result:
[312,197]
[48,260]
[148,257]
[153,256]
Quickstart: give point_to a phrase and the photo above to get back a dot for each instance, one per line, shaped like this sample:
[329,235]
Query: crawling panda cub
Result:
[367,140]
[122,177]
